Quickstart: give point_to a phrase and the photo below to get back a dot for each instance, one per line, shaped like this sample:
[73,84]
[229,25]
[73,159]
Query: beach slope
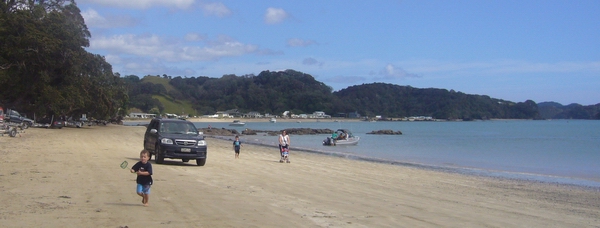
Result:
[71,178]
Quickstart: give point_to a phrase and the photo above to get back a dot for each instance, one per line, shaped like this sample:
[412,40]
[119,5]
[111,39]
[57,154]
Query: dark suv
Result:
[15,117]
[175,139]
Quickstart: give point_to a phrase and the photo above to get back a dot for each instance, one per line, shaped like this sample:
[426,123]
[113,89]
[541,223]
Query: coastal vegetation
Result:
[276,92]
[45,70]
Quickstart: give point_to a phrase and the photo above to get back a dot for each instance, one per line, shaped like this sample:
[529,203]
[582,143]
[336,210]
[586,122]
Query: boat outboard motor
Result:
[327,141]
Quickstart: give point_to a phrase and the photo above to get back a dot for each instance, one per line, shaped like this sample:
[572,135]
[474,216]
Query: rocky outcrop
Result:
[219,131]
[247,131]
[385,132]
[290,131]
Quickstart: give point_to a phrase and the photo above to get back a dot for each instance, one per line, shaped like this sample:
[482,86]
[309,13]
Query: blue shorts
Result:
[143,189]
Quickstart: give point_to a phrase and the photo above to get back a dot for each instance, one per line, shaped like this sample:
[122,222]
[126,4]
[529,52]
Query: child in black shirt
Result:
[143,169]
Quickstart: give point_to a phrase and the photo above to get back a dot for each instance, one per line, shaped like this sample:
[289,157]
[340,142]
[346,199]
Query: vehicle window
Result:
[190,129]
[164,127]
[178,128]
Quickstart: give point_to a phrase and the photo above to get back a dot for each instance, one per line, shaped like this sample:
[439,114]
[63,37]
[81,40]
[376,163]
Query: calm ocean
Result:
[561,151]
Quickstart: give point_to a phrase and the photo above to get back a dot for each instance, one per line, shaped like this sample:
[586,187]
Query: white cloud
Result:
[216,9]
[149,66]
[295,42]
[275,15]
[311,61]
[142,4]
[171,50]
[113,59]
[94,20]
[194,37]
[392,72]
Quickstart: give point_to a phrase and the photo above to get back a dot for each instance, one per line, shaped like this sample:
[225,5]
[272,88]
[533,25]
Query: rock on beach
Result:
[385,132]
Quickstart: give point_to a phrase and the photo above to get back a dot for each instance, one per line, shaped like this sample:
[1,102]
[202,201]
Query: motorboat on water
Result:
[237,123]
[273,120]
[344,137]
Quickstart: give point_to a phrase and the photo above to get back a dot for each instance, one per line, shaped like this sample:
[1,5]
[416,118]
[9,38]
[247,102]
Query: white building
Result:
[319,115]
[141,115]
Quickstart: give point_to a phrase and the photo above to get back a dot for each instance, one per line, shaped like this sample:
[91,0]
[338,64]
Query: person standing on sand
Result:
[236,146]
[284,143]
[143,169]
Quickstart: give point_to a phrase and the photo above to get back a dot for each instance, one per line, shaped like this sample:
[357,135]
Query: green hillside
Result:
[160,81]
[297,92]
[175,106]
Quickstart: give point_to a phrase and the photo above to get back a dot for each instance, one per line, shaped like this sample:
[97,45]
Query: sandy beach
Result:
[71,178]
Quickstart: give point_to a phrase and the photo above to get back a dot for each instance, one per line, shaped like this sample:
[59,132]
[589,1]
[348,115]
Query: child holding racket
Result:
[143,169]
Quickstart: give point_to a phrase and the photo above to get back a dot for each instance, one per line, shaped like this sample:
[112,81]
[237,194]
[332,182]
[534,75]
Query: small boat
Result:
[273,120]
[345,137]
[237,123]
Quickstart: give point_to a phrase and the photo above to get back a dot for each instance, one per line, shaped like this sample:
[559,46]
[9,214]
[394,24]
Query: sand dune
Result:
[71,178]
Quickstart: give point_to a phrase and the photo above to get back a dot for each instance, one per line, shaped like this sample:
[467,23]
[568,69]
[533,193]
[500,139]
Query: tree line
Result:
[44,68]
[289,90]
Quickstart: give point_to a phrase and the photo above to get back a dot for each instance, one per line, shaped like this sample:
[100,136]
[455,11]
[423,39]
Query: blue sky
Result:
[514,50]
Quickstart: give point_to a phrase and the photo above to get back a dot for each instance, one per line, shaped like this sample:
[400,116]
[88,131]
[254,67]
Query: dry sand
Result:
[71,178]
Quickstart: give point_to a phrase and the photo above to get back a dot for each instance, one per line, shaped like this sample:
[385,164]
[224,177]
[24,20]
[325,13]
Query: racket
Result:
[124,164]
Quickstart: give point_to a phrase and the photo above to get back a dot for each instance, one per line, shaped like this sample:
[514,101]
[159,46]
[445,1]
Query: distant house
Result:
[233,113]
[253,115]
[353,115]
[340,114]
[141,115]
[171,116]
[222,114]
[318,115]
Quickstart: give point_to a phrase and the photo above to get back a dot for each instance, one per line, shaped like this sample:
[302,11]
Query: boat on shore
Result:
[345,137]
[237,123]
[273,120]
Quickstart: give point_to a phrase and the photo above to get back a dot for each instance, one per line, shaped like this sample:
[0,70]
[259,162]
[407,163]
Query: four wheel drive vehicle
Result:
[13,116]
[175,139]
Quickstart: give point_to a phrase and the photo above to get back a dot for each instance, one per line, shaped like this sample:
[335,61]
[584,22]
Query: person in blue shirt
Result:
[236,146]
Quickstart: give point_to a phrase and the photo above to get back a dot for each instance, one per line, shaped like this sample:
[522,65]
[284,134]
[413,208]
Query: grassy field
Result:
[171,105]
[176,106]
[159,80]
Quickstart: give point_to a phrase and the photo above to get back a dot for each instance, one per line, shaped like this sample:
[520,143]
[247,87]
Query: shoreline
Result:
[485,173]
[577,181]
[84,185]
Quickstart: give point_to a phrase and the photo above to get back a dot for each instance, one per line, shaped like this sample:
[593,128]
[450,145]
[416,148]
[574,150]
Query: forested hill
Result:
[276,92]
[553,110]
[399,101]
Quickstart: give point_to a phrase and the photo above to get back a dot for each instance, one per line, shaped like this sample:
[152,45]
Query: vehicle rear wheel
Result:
[12,132]
[159,157]
[185,160]
[201,161]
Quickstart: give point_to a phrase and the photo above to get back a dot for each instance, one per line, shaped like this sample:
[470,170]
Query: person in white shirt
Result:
[284,144]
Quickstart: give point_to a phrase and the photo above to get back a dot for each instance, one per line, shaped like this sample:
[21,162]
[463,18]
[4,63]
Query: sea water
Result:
[561,151]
